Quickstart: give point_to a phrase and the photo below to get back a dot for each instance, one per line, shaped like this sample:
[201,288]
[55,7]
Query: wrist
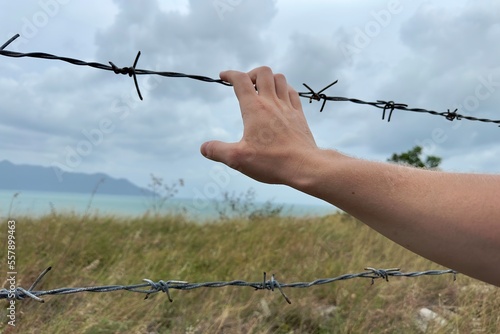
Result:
[319,170]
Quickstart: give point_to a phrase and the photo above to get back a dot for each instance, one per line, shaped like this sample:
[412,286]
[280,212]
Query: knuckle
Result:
[265,69]
[239,75]
[280,76]
[239,157]
[234,159]
[292,90]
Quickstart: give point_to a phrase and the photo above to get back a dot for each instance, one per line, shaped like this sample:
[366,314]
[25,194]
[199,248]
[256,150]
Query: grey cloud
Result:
[436,63]
[198,42]
[455,38]
[178,114]
[310,58]
[451,50]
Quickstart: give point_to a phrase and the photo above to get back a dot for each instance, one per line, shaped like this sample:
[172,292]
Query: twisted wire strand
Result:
[311,94]
[165,286]
[387,105]
[130,71]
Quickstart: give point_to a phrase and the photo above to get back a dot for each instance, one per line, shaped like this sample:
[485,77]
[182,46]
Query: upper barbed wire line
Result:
[311,94]
[130,71]
[387,105]
[164,286]
[9,41]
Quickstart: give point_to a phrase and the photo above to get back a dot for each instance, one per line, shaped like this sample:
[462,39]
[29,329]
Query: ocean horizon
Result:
[39,203]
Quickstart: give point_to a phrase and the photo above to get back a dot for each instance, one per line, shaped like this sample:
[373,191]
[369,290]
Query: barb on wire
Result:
[311,94]
[130,71]
[165,286]
[387,105]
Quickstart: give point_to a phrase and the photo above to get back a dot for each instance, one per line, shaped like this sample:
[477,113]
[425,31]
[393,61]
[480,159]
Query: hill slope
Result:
[39,178]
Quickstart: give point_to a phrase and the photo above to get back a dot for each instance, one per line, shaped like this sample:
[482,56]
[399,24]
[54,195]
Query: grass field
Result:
[100,250]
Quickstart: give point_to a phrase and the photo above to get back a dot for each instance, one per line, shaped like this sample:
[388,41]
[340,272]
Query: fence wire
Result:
[20,293]
[386,106]
[150,287]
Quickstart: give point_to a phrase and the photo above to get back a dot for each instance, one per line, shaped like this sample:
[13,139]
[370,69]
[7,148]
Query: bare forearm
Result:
[452,219]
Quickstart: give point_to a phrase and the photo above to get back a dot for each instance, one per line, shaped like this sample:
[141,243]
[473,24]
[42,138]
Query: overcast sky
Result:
[435,55]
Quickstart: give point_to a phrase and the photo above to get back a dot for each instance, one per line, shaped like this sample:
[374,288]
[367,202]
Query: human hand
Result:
[276,138]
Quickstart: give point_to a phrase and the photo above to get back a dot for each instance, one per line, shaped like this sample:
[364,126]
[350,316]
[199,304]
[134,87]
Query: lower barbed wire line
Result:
[164,286]
[311,95]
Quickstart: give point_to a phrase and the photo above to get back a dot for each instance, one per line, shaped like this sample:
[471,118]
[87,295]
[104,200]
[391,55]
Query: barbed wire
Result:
[20,293]
[387,106]
[133,72]
[130,71]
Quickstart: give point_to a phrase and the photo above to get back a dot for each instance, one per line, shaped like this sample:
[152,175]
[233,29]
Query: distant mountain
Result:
[38,178]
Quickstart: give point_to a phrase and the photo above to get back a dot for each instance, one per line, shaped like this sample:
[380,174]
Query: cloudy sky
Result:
[426,54]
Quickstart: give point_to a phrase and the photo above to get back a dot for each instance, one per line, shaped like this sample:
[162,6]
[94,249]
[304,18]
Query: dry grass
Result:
[100,250]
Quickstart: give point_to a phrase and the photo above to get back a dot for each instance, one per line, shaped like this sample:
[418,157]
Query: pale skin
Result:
[450,218]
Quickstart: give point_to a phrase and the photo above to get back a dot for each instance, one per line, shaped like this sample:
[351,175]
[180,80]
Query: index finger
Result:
[242,84]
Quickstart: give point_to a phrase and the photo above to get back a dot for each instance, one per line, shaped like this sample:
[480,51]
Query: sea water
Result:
[35,203]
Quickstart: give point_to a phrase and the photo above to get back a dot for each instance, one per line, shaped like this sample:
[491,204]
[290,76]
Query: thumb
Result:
[217,151]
